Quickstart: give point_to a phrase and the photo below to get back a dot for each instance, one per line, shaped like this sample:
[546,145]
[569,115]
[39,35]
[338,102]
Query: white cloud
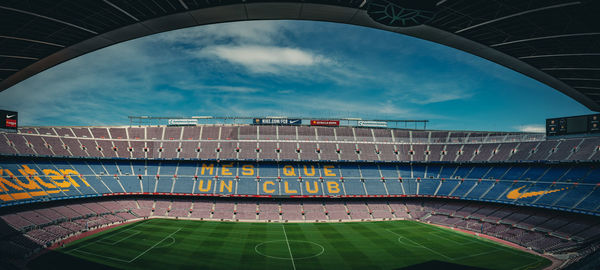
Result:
[186,85]
[420,90]
[263,59]
[428,96]
[102,87]
[532,128]
[255,32]
[243,69]
[313,105]
[236,89]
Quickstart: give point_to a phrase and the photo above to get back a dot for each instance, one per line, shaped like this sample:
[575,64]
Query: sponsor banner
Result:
[327,123]
[9,120]
[372,123]
[277,121]
[183,122]
[11,123]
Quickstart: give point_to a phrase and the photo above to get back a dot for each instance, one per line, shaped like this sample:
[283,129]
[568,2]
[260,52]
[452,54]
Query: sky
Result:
[286,68]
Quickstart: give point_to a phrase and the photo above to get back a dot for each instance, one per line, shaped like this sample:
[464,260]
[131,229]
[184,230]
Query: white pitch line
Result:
[120,240]
[475,255]
[157,243]
[100,255]
[451,240]
[289,248]
[495,245]
[103,237]
[527,265]
[448,258]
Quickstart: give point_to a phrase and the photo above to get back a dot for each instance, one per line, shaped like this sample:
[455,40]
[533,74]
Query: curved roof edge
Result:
[289,11]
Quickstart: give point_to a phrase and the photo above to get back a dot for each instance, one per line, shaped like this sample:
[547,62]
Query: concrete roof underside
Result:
[554,42]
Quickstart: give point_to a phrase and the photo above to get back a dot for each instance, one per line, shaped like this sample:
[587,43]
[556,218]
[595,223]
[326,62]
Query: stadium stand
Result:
[428,143]
[541,230]
[56,182]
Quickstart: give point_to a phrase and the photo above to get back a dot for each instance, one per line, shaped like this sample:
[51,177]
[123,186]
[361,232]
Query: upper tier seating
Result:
[294,143]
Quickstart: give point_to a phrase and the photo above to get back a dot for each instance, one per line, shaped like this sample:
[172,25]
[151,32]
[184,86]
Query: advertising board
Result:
[9,120]
[372,123]
[277,121]
[327,123]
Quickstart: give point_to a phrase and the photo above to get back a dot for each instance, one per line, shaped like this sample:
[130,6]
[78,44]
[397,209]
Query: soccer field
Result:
[186,244]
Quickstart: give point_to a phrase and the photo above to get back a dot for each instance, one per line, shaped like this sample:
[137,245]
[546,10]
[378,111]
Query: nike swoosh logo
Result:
[516,194]
[10,116]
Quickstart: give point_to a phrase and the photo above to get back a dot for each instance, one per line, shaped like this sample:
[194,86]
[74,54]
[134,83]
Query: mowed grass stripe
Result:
[321,233]
[140,244]
[445,243]
[481,241]
[421,237]
[306,246]
[497,254]
[107,234]
[231,245]
[354,245]
[374,238]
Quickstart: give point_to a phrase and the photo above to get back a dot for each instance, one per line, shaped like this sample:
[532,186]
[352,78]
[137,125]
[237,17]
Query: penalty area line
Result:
[120,240]
[447,258]
[101,238]
[157,243]
[100,255]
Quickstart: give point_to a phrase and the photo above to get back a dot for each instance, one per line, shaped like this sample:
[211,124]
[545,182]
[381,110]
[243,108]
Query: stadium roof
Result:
[556,42]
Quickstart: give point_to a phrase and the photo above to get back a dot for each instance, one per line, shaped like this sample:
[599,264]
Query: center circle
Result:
[279,249]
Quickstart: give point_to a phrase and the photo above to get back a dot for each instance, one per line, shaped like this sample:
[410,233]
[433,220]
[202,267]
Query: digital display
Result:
[9,120]
[577,124]
[582,124]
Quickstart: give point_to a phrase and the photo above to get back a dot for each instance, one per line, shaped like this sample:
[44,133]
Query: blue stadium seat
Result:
[481,188]
[246,186]
[498,190]
[428,186]
[354,186]
[388,171]
[410,186]
[130,183]
[394,186]
[447,186]
[463,188]
[375,187]
[184,184]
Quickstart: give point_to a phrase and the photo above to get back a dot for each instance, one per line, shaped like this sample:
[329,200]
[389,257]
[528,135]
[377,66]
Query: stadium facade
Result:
[538,192]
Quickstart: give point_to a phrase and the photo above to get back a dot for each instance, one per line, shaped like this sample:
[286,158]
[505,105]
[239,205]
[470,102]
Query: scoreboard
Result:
[9,120]
[582,124]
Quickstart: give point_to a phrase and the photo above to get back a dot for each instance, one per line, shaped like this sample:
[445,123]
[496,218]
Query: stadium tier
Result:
[542,230]
[49,163]
[566,186]
[294,143]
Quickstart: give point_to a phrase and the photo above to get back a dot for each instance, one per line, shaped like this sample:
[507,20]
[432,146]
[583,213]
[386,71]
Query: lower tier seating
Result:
[24,233]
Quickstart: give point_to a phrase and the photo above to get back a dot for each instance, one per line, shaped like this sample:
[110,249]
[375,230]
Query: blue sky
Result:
[291,68]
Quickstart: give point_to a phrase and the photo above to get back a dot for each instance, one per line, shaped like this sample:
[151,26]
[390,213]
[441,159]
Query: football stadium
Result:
[301,192]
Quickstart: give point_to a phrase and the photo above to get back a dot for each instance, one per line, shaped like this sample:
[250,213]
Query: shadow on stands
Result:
[13,244]
[440,265]
[64,262]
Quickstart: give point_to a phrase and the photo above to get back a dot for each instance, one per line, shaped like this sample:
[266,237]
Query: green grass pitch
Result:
[185,244]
